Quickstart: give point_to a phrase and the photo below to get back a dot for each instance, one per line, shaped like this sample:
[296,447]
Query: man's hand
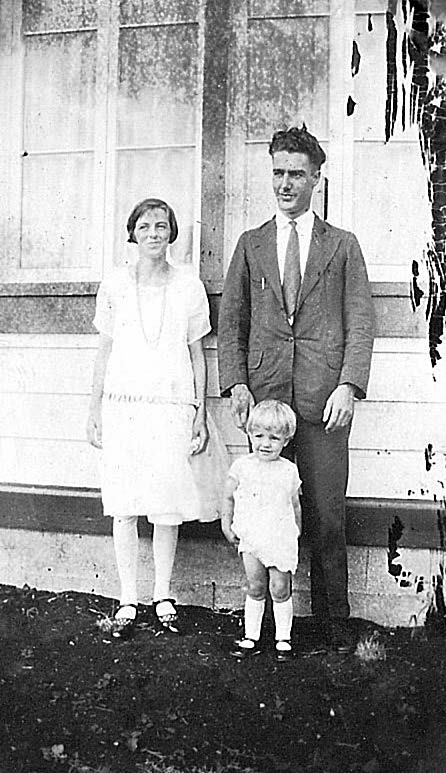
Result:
[241,403]
[339,407]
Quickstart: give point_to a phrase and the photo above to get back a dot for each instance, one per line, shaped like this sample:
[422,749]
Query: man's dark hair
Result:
[144,206]
[298,140]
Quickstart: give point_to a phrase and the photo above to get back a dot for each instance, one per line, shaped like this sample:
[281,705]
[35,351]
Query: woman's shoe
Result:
[124,627]
[166,615]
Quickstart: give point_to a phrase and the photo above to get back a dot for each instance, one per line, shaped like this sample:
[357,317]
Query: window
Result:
[103,105]
[107,101]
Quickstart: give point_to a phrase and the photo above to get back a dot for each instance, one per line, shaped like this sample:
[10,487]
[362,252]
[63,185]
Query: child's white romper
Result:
[264,518]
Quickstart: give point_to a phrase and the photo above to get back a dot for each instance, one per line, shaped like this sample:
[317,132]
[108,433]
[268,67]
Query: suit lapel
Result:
[322,248]
[265,246]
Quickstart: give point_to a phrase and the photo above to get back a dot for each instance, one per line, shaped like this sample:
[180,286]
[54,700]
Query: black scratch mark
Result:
[416,293]
[356,59]
[395,534]
[351,104]
[428,456]
[392,86]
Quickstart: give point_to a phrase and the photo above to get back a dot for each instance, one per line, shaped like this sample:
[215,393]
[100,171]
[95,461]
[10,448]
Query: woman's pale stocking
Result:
[125,540]
[165,540]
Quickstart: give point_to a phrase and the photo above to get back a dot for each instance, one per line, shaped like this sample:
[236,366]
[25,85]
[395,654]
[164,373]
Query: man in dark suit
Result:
[296,324]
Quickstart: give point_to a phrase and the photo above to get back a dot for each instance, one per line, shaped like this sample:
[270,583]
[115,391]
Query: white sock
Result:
[125,540]
[254,610]
[164,544]
[283,618]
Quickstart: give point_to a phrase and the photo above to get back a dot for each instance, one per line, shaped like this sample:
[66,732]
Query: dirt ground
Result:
[75,700]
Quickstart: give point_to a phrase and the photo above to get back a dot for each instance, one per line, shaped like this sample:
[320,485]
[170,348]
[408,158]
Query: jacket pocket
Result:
[335,358]
[255,357]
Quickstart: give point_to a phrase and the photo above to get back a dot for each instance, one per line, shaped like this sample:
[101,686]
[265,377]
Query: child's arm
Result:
[297,511]
[227,512]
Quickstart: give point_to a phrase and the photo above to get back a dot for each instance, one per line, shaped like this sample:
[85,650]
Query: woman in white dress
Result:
[148,411]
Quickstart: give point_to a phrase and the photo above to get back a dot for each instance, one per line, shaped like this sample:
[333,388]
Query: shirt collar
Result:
[303,221]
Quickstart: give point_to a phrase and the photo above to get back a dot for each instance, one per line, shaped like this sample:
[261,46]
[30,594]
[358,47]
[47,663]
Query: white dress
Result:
[264,518]
[149,398]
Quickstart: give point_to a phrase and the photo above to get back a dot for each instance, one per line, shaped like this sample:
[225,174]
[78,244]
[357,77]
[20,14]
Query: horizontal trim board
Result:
[38,289]
[69,308]
[64,341]
[422,524]
[47,314]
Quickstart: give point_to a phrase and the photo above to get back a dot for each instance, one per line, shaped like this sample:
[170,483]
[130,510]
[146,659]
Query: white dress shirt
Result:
[304,228]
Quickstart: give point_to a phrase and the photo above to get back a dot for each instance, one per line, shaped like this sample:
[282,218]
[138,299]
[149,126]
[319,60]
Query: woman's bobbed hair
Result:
[144,206]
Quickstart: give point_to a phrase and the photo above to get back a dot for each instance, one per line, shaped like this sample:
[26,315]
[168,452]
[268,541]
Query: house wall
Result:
[45,387]
[210,141]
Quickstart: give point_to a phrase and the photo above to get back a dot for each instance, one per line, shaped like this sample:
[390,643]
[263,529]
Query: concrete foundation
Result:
[209,573]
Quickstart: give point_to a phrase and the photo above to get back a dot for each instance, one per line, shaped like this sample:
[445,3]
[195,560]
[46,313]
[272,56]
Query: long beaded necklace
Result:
[152,342]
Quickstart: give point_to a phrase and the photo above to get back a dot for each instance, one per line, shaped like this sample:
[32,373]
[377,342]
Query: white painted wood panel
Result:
[48,462]
[51,370]
[394,475]
[398,426]
[45,389]
[39,462]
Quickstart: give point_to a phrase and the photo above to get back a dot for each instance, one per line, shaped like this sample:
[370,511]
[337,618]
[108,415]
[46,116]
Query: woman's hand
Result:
[94,425]
[200,434]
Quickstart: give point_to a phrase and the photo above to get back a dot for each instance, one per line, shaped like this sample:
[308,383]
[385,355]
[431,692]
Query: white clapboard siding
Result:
[394,475]
[45,389]
[41,462]
[377,426]
[59,364]
[33,461]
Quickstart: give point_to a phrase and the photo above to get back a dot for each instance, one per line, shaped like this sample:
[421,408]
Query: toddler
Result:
[261,515]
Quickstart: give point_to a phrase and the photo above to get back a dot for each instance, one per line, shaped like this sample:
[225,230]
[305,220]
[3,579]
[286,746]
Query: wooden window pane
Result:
[56,212]
[159,12]
[287,75]
[167,174]
[40,15]
[287,7]
[157,102]
[370,82]
[59,91]
[389,217]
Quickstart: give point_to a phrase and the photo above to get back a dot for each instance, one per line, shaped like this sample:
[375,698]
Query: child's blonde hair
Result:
[272,414]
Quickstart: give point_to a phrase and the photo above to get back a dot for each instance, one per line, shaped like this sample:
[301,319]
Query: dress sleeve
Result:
[104,318]
[233,472]
[198,322]
[296,482]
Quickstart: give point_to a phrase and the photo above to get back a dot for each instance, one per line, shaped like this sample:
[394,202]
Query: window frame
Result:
[105,147]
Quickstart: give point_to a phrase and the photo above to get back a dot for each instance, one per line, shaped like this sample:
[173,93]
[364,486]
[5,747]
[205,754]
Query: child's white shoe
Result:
[284,651]
[245,648]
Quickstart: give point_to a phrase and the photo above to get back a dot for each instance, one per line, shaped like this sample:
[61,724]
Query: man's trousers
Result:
[322,460]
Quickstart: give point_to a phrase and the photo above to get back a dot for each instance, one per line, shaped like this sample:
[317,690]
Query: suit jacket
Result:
[331,340]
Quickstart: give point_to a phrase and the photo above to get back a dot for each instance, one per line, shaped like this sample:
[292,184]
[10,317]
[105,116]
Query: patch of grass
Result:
[370,649]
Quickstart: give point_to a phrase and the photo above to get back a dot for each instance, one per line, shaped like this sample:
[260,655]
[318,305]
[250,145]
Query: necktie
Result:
[291,272]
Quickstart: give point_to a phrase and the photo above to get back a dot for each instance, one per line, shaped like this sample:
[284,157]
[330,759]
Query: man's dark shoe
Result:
[318,639]
[244,649]
[342,638]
